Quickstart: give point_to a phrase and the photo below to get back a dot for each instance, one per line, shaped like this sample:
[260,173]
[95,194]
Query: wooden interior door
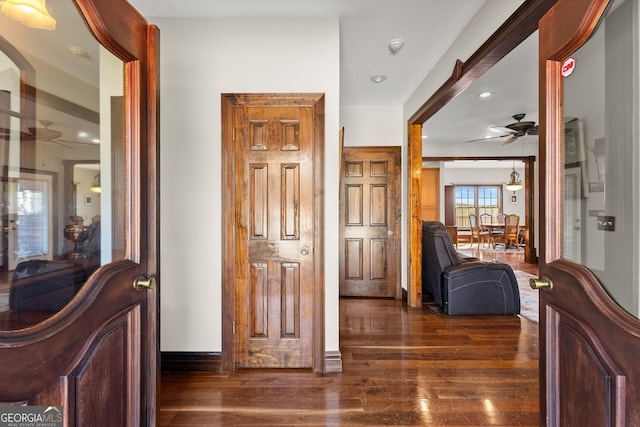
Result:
[431,194]
[275,222]
[589,327]
[75,334]
[369,222]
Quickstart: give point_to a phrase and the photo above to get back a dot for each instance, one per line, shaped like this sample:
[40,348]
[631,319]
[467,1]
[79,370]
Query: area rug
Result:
[528,296]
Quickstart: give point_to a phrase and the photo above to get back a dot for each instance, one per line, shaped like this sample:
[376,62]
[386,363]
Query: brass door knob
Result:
[143,282]
[541,283]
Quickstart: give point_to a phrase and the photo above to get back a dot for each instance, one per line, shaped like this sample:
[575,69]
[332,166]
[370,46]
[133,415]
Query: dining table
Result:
[497,227]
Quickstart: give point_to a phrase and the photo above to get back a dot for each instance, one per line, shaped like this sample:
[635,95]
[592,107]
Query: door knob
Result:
[304,250]
[143,282]
[541,283]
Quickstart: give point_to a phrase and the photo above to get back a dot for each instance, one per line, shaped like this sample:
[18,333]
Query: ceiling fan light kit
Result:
[45,133]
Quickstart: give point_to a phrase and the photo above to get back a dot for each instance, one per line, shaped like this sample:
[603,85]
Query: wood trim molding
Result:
[520,25]
[185,361]
[414,217]
[57,103]
[333,362]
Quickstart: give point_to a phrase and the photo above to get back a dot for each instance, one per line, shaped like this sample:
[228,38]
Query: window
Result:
[476,199]
[29,205]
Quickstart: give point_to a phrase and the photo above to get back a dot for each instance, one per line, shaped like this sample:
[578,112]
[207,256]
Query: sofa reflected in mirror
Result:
[464,286]
[39,288]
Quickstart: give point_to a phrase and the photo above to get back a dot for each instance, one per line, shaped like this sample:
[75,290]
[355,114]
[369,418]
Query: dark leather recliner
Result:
[461,285]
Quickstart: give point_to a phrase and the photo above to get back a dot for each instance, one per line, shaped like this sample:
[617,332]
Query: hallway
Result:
[401,366]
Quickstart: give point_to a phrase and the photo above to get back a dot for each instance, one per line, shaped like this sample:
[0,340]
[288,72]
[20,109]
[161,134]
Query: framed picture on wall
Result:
[88,200]
[513,199]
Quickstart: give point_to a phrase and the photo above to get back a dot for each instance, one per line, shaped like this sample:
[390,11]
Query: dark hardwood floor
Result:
[515,258]
[401,366]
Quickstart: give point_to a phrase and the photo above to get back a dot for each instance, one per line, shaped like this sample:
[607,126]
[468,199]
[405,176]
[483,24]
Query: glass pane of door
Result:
[62,163]
[601,156]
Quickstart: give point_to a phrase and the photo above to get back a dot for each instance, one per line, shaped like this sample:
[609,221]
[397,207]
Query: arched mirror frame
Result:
[36,374]
[140,122]
[520,25]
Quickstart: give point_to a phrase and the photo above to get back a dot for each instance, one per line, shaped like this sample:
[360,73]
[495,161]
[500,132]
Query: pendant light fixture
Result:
[32,13]
[514,183]
[95,186]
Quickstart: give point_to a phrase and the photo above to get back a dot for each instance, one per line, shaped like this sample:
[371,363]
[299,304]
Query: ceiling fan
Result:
[45,134]
[514,130]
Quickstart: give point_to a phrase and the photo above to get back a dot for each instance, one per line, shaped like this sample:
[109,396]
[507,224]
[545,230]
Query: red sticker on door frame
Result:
[568,67]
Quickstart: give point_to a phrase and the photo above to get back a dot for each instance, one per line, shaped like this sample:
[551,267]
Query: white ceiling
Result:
[428,28]
[513,83]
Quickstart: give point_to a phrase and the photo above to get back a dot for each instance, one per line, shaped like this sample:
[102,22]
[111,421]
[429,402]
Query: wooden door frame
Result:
[520,25]
[229,268]
[395,187]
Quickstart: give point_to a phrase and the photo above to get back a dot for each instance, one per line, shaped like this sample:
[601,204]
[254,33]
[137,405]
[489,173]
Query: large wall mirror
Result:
[61,163]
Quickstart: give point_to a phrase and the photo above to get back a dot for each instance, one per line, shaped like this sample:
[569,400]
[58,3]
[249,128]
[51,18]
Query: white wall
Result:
[371,125]
[200,59]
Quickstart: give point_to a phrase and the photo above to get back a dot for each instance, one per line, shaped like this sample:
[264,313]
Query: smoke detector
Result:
[395,45]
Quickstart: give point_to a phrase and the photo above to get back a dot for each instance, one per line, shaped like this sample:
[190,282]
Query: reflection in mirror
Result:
[61,163]
[600,209]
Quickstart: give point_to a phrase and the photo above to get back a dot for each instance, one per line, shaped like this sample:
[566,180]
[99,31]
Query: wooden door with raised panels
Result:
[369,222]
[274,240]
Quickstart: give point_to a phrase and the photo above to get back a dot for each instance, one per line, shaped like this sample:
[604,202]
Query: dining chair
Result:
[486,224]
[477,233]
[485,220]
[511,223]
[497,232]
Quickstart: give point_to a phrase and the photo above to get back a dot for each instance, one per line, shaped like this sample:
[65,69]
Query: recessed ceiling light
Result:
[378,78]
[485,94]
[424,137]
